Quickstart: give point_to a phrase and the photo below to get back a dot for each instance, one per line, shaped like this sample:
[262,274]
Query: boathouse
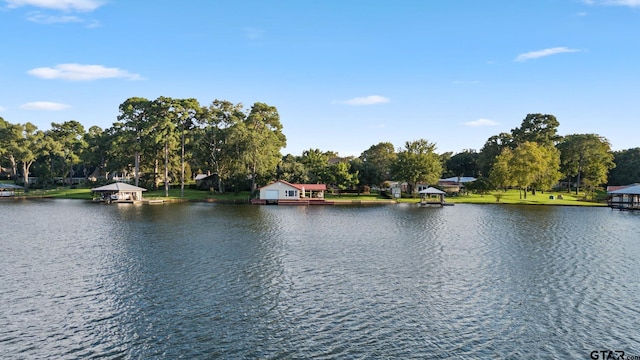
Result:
[624,197]
[431,196]
[282,192]
[118,192]
[7,190]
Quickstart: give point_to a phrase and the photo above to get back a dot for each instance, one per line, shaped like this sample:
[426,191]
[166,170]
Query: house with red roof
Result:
[282,192]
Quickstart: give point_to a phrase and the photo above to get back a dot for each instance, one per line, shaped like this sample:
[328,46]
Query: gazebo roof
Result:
[431,190]
[118,186]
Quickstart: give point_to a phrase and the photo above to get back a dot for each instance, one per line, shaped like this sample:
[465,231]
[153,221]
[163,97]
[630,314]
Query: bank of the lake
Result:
[513,197]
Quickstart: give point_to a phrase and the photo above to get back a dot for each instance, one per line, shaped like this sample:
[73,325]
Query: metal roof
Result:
[118,186]
[461,179]
[631,190]
[431,190]
[10,187]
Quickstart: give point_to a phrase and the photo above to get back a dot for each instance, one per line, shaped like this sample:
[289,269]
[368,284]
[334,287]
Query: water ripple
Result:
[212,281]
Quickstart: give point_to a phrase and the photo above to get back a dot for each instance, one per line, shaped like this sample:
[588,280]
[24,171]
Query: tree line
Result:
[163,142]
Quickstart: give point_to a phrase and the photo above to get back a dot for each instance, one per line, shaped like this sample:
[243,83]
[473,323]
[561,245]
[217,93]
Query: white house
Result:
[282,190]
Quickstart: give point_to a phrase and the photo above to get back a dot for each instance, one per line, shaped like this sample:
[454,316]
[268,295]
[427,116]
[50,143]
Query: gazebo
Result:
[431,196]
[118,192]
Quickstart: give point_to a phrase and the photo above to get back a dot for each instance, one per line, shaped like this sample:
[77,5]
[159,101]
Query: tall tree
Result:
[341,175]
[10,134]
[418,162]
[29,148]
[291,169]
[317,164]
[464,163]
[627,170]
[587,157]
[376,163]
[218,139]
[262,141]
[538,128]
[132,128]
[70,136]
[491,149]
[528,165]
[164,119]
[186,112]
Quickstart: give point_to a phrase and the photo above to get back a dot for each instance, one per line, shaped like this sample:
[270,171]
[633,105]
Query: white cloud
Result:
[44,105]
[546,52]
[40,18]
[629,3]
[367,100]
[66,5]
[2,109]
[481,122]
[79,72]
[53,19]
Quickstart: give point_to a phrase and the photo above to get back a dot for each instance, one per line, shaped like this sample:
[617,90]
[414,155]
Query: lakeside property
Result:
[495,197]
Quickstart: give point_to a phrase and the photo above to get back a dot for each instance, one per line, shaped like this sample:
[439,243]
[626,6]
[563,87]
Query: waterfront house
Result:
[455,184]
[281,192]
[118,192]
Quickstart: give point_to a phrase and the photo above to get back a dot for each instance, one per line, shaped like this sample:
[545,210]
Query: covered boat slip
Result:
[432,196]
[118,192]
[626,198]
[7,190]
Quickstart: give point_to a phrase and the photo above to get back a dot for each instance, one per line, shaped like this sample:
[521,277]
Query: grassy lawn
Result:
[351,197]
[513,197]
[84,193]
[509,197]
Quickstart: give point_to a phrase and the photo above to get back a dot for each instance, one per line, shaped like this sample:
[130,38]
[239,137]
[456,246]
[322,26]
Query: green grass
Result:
[84,193]
[513,197]
[509,197]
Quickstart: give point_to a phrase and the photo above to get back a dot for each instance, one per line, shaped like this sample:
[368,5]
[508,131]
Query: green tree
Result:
[528,165]
[10,134]
[464,163]
[165,113]
[491,149]
[30,147]
[341,176]
[538,128]
[130,132]
[500,174]
[317,164]
[70,137]
[291,169]
[587,158]
[262,140]
[627,169]
[218,140]
[376,164]
[418,162]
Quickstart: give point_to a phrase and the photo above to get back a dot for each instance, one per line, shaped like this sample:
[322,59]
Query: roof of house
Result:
[306,187]
[627,190]
[118,186]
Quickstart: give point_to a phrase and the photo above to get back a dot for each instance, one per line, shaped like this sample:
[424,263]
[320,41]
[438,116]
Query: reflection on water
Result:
[80,280]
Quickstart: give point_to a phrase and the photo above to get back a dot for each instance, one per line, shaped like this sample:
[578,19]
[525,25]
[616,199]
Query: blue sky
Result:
[344,75]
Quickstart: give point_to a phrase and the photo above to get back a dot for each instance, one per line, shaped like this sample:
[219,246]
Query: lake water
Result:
[80,280]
